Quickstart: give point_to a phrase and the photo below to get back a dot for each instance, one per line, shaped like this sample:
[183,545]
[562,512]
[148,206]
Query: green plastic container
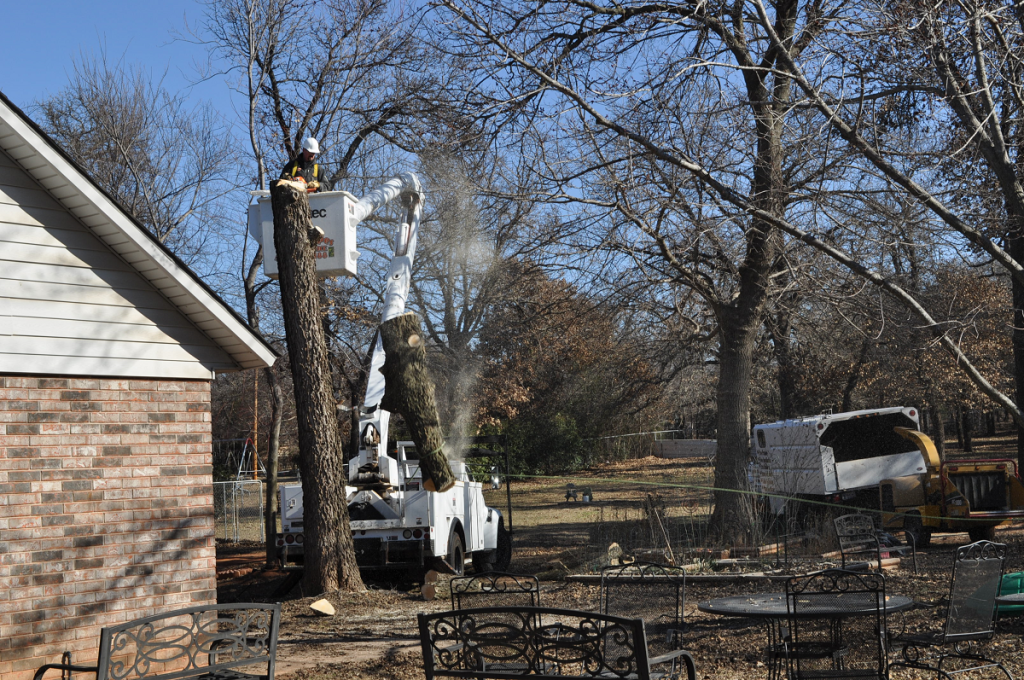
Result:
[1012,583]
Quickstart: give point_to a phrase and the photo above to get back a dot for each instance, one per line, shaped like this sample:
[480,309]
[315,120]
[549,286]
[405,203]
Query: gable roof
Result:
[93,207]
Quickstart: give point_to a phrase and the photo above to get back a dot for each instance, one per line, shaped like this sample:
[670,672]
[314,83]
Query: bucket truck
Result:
[395,522]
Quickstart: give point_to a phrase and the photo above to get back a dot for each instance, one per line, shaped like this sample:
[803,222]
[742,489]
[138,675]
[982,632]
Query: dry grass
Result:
[577,534]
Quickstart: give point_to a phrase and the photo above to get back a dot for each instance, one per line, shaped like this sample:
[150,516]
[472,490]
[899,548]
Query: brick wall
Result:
[106,510]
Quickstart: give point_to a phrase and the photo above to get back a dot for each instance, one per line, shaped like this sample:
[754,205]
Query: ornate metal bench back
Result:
[977,571]
[509,642]
[190,642]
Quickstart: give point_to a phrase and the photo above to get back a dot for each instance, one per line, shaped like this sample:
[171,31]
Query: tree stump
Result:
[408,390]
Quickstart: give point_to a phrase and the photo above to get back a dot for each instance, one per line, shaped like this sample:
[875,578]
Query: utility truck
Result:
[395,522]
[835,458]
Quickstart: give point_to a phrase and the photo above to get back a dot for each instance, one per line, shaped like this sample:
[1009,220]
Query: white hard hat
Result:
[309,144]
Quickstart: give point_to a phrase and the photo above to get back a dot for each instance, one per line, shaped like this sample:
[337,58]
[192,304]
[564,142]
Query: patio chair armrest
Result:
[671,657]
[64,667]
[668,656]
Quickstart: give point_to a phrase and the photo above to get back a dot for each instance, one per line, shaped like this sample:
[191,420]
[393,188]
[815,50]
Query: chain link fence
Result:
[238,510]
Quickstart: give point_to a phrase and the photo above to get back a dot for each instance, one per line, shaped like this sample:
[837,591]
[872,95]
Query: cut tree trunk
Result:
[408,390]
[330,562]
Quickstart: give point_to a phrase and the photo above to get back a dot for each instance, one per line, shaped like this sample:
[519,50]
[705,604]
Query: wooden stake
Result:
[409,391]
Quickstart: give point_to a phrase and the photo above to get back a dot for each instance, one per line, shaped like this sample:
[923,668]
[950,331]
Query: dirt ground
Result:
[373,634]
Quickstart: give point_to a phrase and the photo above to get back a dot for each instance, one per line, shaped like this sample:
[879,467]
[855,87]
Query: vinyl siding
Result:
[69,305]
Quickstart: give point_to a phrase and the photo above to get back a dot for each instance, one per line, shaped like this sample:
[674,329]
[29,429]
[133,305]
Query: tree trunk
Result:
[270,510]
[273,463]
[408,390]
[1016,248]
[853,379]
[939,432]
[966,423]
[958,427]
[329,555]
[779,326]
[737,333]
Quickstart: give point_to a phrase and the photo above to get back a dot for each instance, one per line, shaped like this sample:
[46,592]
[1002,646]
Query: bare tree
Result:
[670,115]
[170,165]
[620,139]
[962,59]
[241,32]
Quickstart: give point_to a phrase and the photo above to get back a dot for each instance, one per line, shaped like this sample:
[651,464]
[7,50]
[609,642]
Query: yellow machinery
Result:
[961,495]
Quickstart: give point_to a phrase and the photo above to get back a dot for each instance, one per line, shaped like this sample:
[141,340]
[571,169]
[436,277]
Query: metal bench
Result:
[512,642]
[211,642]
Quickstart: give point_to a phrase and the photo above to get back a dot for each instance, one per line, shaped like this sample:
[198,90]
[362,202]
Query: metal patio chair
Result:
[655,593]
[835,626]
[495,589]
[860,543]
[970,617]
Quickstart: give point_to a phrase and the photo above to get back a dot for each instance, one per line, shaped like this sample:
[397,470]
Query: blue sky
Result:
[48,35]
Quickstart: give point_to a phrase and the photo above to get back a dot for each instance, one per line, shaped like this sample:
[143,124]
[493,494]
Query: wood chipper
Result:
[974,496]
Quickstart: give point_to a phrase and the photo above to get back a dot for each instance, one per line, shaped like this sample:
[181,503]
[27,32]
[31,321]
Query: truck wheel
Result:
[915,533]
[483,561]
[497,559]
[456,554]
[503,553]
[982,534]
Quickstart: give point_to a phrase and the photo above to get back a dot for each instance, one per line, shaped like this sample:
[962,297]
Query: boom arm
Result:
[407,187]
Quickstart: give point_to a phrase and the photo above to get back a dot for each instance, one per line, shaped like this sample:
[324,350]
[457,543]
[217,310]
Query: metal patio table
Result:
[772,610]
[1011,598]
[1008,599]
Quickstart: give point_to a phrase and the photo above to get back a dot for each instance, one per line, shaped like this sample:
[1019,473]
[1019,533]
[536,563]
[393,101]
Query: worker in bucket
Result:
[304,168]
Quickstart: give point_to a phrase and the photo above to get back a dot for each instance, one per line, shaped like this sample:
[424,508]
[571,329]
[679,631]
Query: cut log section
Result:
[408,390]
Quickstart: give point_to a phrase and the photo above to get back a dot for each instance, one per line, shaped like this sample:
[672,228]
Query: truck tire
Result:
[456,554]
[915,533]
[503,553]
[483,561]
[497,559]
[982,534]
